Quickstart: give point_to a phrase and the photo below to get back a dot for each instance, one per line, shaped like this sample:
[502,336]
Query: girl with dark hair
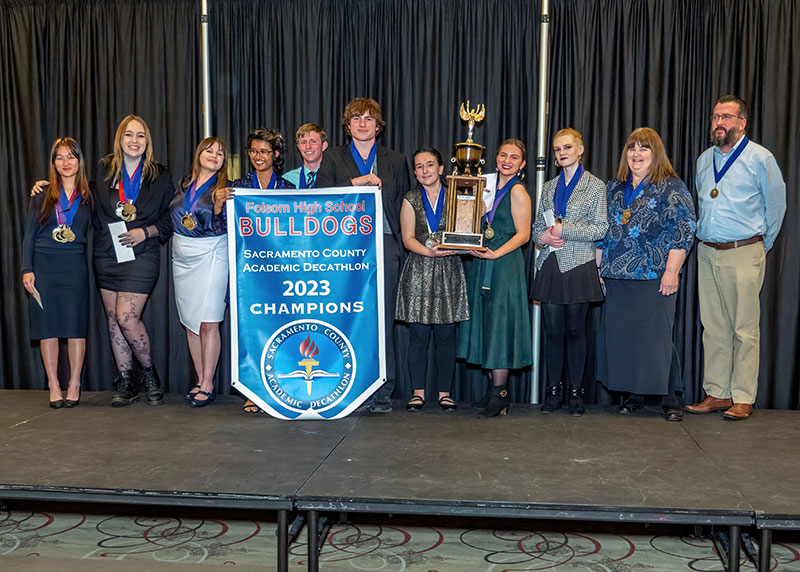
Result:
[137,192]
[266,150]
[54,266]
[200,263]
[432,294]
[570,218]
[498,334]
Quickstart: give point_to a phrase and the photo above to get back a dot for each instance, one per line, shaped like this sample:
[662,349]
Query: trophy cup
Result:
[464,194]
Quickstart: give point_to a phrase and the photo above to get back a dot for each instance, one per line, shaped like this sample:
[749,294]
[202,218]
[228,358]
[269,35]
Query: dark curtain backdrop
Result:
[76,68]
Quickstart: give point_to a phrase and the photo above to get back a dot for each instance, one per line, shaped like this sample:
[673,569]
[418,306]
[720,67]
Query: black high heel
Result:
[498,403]
[58,404]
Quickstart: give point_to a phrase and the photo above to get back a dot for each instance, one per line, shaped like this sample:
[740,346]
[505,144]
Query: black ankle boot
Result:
[152,385]
[575,401]
[498,403]
[483,401]
[553,398]
[126,389]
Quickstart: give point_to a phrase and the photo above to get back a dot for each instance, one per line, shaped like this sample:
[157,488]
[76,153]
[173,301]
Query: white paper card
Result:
[489,190]
[549,218]
[124,254]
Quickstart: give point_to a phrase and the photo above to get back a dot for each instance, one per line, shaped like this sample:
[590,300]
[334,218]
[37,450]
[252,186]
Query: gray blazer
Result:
[585,222]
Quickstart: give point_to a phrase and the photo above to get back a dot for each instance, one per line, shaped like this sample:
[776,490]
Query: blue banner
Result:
[306,294]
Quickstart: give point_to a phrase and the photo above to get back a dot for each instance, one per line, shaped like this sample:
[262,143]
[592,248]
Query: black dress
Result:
[152,208]
[61,273]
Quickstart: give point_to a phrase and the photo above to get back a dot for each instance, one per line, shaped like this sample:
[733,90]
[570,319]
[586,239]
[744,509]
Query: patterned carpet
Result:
[41,540]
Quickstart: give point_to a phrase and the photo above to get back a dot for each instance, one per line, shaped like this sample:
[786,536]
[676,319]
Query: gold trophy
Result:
[464,194]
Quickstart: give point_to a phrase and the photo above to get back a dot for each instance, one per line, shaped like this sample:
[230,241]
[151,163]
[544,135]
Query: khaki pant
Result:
[729,282]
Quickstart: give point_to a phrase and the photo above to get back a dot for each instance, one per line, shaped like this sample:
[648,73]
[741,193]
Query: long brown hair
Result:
[660,168]
[53,191]
[115,161]
[222,172]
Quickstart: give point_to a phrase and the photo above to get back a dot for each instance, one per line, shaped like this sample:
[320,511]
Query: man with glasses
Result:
[742,200]
[311,141]
[362,162]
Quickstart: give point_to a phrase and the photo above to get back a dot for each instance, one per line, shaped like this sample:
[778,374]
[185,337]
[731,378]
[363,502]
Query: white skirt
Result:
[200,272]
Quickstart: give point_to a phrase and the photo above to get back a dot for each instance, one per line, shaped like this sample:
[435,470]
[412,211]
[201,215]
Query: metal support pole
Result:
[541,151]
[734,542]
[283,541]
[765,550]
[206,70]
[312,528]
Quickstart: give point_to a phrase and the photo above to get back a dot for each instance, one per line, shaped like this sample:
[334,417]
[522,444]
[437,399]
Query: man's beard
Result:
[730,137]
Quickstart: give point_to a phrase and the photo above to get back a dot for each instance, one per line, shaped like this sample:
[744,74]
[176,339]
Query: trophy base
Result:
[463,240]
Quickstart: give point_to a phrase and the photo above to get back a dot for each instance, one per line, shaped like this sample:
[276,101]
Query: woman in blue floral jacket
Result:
[651,230]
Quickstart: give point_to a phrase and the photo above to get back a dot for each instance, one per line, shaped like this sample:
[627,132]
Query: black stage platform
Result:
[598,467]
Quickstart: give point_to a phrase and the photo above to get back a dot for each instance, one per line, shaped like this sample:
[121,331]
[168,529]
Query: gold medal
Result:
[626,216]
[714,193]
[57,236]
[489,232]
[559,220]
[188,222]
[67,234]
[128,212]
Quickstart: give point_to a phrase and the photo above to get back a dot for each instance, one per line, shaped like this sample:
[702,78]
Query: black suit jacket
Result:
[338,168]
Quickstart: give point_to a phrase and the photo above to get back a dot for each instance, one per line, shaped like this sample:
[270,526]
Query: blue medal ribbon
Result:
[489,216]
[301,183]
[731,160]
[632,192]
[66,209]
[130,186]
[564,191]
[434,218]
[193,193]
[273,180]
[365,167]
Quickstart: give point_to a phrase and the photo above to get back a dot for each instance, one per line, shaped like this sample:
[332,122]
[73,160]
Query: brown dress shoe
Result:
[738,412]
[709,404]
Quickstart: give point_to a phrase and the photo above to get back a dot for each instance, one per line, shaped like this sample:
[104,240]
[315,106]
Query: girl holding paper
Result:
[498,334]
[570,218]
[432,294]
[54,266]
[132,216]
[200,263]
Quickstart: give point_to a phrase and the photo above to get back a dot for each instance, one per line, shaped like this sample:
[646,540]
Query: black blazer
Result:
[338,168]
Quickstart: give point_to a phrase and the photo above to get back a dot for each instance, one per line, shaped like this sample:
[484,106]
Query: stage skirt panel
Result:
[200,272]
[635,337]
[62,280]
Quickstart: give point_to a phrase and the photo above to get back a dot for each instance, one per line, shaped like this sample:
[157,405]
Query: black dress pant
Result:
[444,337]
[565,335]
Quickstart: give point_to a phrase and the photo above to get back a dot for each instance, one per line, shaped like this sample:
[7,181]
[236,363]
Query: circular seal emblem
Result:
[308,365]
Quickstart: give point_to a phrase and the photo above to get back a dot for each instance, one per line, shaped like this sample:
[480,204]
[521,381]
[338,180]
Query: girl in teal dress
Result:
[498,335]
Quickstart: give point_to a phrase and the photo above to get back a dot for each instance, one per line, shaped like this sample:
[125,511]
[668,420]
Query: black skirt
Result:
[577,286]
[137,276]
[635,337]
[63,282]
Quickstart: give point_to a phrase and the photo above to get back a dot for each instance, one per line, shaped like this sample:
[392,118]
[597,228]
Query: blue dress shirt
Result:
[751,200]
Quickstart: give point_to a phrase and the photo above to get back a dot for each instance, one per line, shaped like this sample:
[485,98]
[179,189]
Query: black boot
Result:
[152,385]
[553,398]
[483,401]
[126,389]
[575,401]
[498,403]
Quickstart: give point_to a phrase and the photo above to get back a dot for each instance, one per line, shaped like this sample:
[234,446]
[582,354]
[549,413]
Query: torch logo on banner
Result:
[308,349]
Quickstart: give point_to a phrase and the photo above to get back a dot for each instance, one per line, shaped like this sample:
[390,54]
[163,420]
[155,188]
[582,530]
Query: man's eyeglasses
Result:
[261,152]
[724,117]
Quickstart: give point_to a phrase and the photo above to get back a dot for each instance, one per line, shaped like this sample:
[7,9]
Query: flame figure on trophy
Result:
[464,194]
[308,349]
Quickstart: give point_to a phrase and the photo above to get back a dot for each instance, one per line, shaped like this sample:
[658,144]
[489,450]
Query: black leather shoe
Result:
[575,401]
[629,406]
[126,389]
[498,403]
[58,404]
[672,413]
[152,386]
[553,398]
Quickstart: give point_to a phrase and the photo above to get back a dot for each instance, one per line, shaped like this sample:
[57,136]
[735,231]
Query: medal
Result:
[57,234]
[626,216]
[719,173]
[430,242]
[488,232]
[65,214]
[188,222]
[564,191]
[67,234]
[127,212]
[559,220]
[714,193]
[630,193]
